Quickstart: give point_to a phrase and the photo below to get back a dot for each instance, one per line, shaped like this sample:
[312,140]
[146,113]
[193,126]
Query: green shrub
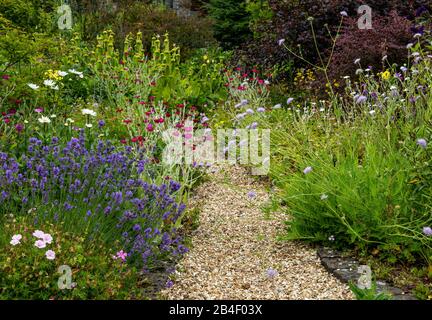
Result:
[358,196]
[189,33]
[30,16]
[232,20]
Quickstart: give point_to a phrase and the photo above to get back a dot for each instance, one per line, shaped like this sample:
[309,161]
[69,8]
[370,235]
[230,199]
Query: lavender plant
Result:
[96,189]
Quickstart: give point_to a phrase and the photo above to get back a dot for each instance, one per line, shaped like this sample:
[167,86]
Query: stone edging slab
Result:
[345,269]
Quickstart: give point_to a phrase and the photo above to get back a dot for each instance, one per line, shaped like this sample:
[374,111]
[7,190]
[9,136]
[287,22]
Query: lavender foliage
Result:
[102,189]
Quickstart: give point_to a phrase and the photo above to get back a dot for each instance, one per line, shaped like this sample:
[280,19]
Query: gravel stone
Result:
[235,245]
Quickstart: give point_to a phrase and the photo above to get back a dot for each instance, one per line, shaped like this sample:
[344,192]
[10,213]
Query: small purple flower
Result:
[101,123]
[261,109]
[427,231]
[271,273]
[118,197]
[169,284]
[422,143]
[307,170]
[290,100]
[19,127]
[361,99]
[251,194]
[281,42]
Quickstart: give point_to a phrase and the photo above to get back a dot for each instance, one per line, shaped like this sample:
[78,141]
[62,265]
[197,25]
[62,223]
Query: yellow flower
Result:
[385,75]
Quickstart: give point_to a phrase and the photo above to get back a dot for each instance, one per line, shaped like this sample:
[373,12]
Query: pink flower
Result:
[39,110]
[16,239]
[121,255]
[40,244]
[38,234]
[50,255]
[47,238]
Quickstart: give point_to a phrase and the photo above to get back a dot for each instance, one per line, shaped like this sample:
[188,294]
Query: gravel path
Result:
[235,254]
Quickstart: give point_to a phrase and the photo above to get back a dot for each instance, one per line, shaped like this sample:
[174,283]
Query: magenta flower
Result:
[39,110]
[150,127]
[121,255]
[19,127]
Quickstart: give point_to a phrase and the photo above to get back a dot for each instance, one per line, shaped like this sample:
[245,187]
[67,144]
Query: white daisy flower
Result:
[88,112]
[44,120]
[33,86]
